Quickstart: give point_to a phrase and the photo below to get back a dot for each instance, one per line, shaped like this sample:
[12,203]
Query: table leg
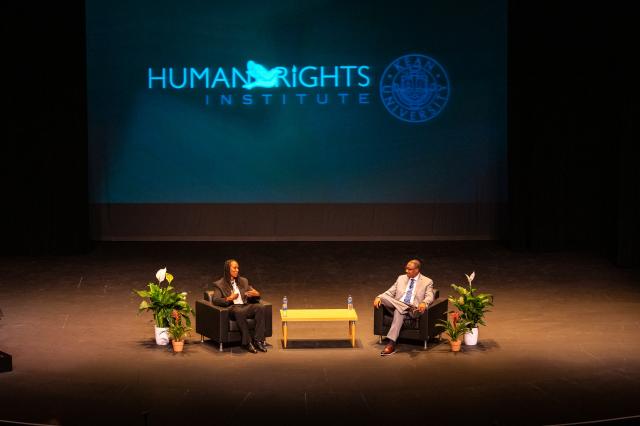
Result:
[284,334]
[353,334]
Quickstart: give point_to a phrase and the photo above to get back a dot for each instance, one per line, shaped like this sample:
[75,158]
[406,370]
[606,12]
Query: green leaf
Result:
[161,301]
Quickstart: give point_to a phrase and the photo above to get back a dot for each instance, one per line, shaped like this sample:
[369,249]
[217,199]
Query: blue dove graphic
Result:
[263,77]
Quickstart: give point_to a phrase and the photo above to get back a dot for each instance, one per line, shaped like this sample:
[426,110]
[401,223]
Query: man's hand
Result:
[252,293]
[376,302]
[422,307]
[231,298]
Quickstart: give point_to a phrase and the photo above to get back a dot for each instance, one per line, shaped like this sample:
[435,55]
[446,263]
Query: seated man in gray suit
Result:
[408,296]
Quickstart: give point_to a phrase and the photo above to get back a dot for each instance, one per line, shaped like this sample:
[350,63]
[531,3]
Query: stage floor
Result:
[561,344]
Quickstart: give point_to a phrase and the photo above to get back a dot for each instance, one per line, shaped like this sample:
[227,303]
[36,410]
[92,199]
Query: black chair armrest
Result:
[208,295]
[378,314]
[437,311]
[427,321]
[211,320]
[268,320]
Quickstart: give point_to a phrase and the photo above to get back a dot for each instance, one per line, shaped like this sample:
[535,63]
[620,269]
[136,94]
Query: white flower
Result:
[471,277]
[161,274]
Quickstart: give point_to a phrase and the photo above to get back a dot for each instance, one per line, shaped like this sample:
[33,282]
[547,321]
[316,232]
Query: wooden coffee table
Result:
[319,315]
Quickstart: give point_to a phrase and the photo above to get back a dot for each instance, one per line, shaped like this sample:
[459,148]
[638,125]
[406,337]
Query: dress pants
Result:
[400,312]
[240,313]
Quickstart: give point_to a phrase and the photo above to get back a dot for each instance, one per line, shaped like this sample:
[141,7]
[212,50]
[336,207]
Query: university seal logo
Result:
[414,88]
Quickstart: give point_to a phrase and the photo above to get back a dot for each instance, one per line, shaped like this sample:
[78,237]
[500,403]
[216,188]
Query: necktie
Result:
[407,298]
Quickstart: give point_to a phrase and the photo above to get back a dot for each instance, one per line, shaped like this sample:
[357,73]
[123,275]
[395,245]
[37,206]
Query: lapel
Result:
[420,287]
[227,289]
[417,286]
[242,284]
[404,283]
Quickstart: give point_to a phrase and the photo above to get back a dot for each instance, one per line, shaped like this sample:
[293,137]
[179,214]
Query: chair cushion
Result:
[233,325]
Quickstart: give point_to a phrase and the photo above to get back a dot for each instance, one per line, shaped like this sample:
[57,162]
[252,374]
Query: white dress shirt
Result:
[237,300]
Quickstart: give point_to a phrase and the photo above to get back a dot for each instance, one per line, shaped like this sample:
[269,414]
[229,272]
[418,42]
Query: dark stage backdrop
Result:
[44,139]
[296,120]
[574,182]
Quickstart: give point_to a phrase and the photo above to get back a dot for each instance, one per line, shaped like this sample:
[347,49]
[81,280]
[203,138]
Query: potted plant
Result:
[162,301]
[472,307]
[178,331]
[455,328]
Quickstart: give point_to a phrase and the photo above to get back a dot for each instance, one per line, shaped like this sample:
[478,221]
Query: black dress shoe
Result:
[250,348]
[260,345]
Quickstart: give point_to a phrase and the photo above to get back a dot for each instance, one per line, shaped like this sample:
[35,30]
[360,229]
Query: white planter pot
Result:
[471,338]
[162,335]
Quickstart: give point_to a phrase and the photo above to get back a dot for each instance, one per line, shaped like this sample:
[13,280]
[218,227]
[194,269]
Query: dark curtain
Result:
[45,199]
[573,183]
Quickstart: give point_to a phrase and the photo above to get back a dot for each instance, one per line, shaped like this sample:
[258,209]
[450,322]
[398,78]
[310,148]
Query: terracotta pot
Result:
[455,345]
[177,345]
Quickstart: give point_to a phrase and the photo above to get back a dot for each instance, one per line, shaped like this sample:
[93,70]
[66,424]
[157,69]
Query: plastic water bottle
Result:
[349,302]
[284,306]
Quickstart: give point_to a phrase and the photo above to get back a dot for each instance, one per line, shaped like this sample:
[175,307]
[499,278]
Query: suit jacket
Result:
[223,289]
[423,289]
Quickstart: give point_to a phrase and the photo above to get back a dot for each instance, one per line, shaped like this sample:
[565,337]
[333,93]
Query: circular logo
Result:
[414,88]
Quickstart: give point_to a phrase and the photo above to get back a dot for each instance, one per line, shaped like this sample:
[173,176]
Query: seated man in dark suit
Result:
[236,293]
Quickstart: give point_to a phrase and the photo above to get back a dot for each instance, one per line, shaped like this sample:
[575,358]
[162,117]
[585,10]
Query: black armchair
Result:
[213,322]
[421,328]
